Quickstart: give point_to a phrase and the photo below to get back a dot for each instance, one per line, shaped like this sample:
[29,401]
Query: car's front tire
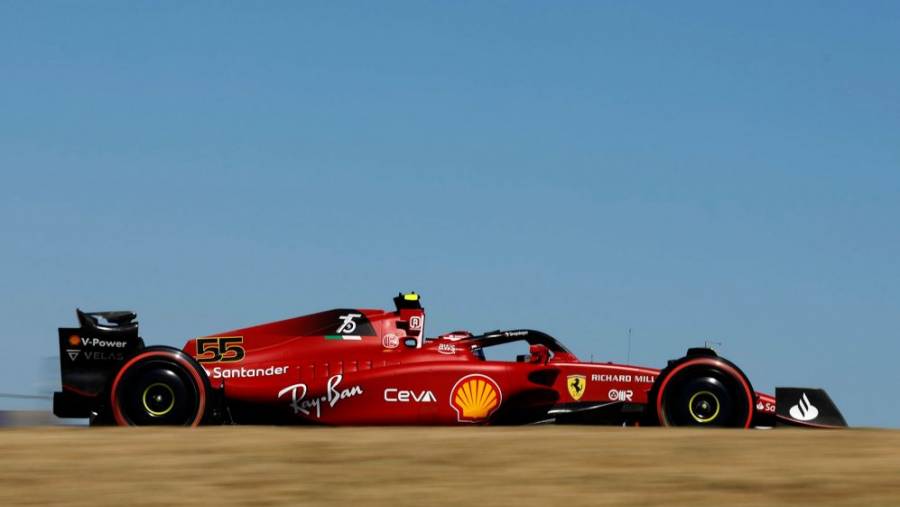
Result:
[700,401]
[704,392]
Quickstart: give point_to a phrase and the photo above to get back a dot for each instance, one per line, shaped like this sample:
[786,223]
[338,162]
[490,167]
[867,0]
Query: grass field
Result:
[546,466]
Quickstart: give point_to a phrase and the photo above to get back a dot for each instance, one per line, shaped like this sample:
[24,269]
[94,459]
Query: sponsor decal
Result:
[348,323]
[620,394]
[333,395]
[243,372]
[345,322]
[447,348]
[607,377]
[97,342]
[576,385]
[390,341]
[343,337]
[765,407]
[95,355]
[220,349]
[804,410]
[475,397]
[415,323]
[515,333]
[100,355]
[394,395]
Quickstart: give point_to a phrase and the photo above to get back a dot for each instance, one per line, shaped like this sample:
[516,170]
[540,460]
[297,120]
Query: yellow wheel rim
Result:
[699,418]
[158,413]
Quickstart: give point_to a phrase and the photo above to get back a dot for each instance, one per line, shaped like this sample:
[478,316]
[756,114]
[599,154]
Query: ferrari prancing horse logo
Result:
[576,385]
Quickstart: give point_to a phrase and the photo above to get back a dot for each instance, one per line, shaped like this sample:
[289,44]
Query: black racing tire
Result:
[160,387]
[704,395]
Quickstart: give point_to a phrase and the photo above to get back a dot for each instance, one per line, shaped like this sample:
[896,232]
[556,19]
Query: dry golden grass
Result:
[545,466]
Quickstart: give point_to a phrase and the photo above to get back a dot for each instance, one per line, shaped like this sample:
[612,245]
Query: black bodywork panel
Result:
[89,356]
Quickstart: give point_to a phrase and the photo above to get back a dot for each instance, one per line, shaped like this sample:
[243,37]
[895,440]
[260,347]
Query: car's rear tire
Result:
[159,386]
[704,392]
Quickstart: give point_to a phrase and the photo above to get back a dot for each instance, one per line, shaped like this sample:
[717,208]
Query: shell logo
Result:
[475,397]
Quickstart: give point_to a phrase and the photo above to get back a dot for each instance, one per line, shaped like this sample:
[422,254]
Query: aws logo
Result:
[475,397]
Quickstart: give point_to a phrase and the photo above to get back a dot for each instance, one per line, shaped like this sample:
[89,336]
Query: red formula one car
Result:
[375,367]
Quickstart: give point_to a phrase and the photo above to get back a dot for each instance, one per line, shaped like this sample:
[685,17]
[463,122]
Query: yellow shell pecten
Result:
[476,398]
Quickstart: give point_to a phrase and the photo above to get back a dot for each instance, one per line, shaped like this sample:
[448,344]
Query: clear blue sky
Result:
[694,171]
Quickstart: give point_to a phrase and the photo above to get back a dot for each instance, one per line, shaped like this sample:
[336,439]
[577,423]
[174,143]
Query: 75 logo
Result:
[348,323]
[224,349]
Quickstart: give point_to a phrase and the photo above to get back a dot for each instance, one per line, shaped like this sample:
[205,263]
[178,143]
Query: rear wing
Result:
[89,356]
[115,321]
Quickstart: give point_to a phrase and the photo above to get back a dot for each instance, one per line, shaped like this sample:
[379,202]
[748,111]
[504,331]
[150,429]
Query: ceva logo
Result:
[804,410]
[394,395]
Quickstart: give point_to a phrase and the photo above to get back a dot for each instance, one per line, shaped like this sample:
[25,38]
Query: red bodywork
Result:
[374,367]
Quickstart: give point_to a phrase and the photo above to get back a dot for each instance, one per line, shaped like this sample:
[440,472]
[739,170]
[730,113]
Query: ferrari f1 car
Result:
[375,367]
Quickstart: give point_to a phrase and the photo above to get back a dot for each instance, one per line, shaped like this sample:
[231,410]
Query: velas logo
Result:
[804,410]
[475,397]
[576,385]
[103,355]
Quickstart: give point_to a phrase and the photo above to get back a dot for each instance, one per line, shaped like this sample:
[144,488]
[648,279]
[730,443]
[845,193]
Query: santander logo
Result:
[804,410]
